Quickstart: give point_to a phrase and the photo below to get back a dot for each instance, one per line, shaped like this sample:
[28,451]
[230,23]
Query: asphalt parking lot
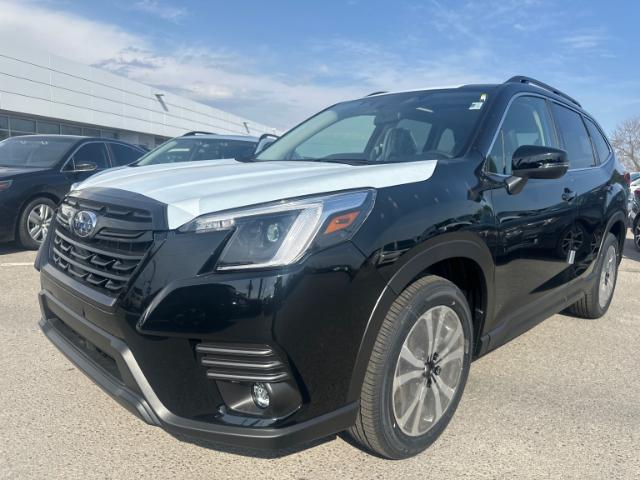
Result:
[561,401]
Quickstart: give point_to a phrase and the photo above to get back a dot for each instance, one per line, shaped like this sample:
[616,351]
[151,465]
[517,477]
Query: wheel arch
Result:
[444,256]
[617,225]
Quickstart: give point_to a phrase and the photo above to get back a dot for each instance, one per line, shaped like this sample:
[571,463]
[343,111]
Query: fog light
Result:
[260,395]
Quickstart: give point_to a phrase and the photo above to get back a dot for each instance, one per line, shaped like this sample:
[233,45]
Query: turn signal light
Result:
[341,222]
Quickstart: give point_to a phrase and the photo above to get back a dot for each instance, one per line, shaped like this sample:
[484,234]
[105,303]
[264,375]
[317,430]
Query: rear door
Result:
[531,257]
[587,151]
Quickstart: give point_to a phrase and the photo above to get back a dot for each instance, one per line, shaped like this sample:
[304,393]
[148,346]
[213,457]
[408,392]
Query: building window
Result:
[109,134]
[91,132]
[48,128]
[4,123]
[70,130]
[4,134]
[22,125]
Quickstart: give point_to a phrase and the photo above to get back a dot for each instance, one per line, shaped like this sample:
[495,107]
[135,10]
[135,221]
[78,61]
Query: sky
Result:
[279,62]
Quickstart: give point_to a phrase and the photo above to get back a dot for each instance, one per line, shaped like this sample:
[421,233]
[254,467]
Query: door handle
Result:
[568,195]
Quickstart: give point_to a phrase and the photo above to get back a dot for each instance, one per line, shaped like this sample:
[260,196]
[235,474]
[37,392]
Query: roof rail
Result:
[197,132]
[538,83]
[376,93]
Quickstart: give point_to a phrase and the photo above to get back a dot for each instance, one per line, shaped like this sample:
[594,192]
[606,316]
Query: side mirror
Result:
[264,141]
[533,161]
[85,167]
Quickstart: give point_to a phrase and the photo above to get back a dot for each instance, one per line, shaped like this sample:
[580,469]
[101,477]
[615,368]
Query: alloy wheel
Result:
[608,276]
[428,370]
[39,221]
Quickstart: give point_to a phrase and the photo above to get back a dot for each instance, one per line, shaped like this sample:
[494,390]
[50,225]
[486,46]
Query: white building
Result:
[44,93]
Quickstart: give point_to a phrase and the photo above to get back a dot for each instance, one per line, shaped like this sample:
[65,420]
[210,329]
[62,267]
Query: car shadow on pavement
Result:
[251,452]
[630,250]
[10,247]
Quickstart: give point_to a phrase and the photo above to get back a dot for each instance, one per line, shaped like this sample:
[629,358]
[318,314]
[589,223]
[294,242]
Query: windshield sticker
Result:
[476,105]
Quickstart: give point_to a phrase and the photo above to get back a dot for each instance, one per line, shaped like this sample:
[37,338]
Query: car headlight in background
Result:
[280,234]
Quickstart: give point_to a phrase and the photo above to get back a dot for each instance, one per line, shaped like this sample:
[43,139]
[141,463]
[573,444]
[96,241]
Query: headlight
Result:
[277,235]
[5,184]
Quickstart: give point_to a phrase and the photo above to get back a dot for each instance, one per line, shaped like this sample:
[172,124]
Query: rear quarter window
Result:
[599,142]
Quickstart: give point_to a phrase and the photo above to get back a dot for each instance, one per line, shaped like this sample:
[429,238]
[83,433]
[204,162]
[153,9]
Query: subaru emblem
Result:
[84,223]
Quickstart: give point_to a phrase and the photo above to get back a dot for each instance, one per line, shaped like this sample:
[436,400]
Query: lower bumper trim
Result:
[149,408]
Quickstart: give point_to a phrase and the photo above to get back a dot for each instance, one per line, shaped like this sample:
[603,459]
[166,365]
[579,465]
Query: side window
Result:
[574,137]
[346,137]
[91,153]
[527,122]
[602,147]
[123,155]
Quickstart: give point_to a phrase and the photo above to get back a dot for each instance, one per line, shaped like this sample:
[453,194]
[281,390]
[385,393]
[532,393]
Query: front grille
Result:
[107,260]
[242,363]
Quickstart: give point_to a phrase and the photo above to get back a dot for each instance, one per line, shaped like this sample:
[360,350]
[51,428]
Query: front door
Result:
[535,227]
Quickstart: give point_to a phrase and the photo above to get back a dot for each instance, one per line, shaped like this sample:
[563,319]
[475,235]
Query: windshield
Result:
[34,152]
[399,127]
[194,149]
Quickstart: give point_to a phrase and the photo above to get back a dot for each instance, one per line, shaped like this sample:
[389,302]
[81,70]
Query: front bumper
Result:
[143,345]
[109,362]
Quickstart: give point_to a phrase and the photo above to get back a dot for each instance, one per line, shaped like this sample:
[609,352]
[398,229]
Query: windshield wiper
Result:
[349,161]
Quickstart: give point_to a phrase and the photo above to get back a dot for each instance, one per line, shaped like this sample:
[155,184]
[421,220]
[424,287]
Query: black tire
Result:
[636,232]
[24,238]
[589,306]
[375,428]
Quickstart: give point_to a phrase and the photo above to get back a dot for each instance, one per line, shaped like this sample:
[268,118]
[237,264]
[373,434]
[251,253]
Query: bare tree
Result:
[625,140]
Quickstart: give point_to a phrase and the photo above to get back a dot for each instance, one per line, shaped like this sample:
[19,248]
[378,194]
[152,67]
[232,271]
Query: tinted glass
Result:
[573,137]
[193,149]
[33,152]
[400,127]
[23,125]
[91,153]
[601,145]
[527,123]
[123,155]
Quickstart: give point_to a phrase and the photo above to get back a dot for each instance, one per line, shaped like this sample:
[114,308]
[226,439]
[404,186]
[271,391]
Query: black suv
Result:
[345,277]
[36,171]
